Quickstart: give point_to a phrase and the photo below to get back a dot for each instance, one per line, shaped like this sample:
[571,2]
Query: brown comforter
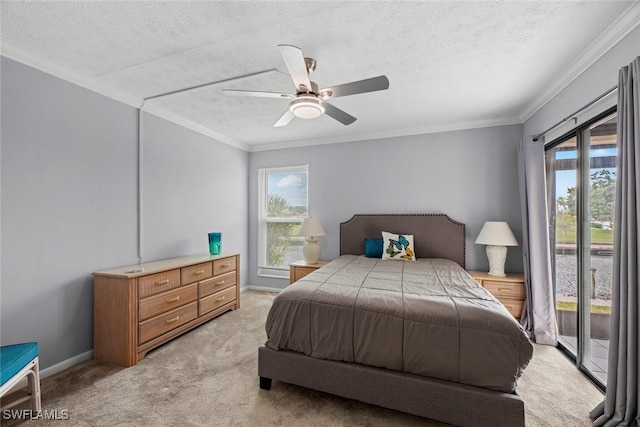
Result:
[426,317]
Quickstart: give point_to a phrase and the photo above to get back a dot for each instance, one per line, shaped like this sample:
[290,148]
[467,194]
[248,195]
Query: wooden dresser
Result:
[140,307]
[509,290]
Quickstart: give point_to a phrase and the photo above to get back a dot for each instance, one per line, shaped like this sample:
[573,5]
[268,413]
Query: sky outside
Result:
[291,185]
[567,178]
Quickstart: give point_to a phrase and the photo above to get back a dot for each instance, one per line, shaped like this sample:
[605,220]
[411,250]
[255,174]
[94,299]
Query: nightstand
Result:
[509,290]
[299,269]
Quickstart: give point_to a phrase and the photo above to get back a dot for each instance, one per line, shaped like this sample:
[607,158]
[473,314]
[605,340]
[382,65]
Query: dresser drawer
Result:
[513,290]
[513,305]
[217,300]
[217,283]
[165,301]
[224,265]
[156,326]
[159,282]
[195,273]
[137,311]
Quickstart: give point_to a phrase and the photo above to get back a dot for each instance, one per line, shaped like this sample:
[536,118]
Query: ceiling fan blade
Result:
[258,94]
[284,120]
[294,59]
[338,114]
[361,86]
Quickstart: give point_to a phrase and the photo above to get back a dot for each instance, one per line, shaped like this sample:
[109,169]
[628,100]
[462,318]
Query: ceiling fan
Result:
[308,102]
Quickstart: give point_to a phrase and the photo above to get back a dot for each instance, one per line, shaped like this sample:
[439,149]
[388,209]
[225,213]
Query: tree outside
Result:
[279,233]
[602,210]
[603,193]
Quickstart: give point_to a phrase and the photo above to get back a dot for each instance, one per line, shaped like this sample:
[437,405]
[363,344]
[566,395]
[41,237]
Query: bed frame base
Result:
[265,383]
[439,400]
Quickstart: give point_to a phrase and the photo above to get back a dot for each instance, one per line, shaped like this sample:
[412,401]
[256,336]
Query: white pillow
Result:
[398,246]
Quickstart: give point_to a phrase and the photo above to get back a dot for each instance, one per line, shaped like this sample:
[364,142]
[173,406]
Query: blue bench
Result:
[17,362]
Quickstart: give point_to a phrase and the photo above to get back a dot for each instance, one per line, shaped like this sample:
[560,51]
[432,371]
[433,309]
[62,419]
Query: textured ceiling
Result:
[451,65]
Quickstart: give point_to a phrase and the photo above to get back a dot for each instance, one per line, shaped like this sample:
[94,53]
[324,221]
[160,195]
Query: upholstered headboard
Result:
[434,235]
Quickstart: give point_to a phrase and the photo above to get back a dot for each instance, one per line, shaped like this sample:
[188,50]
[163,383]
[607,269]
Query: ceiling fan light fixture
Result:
[308,102]
[306,107]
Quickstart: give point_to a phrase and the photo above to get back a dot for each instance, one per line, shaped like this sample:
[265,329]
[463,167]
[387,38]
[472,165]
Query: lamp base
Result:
[311,251]
[497,256]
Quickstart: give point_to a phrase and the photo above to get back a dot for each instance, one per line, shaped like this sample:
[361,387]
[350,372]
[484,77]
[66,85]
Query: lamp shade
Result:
[311,227]
[496,233]
[497,236]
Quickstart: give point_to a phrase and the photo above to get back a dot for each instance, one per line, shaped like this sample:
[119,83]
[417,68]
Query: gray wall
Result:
[593,82]
[68,206]
[69,203]
[191,185]
[470,175]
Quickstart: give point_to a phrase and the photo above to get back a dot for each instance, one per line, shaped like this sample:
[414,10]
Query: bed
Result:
[419,336]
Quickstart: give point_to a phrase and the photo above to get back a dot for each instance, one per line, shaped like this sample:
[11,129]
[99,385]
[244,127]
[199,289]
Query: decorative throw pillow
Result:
[398,246]
[372,248]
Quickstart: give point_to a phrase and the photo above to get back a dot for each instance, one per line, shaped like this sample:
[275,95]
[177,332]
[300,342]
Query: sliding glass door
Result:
[581,199]
[562,179]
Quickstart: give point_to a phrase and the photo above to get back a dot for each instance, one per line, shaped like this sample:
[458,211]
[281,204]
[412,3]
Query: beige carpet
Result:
[209,377]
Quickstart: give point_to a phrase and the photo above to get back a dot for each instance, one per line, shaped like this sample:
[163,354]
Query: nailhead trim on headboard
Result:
[440,243]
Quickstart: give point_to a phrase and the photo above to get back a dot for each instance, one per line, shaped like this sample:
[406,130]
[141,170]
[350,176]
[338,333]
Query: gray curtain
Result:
[620,406]
[539,315]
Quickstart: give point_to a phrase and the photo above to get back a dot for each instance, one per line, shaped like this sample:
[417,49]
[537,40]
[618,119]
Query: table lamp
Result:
[311,228]
[497,236]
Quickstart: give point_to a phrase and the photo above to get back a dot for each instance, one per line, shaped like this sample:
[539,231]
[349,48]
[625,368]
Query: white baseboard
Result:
[88,355]
[65,364]
[58,367]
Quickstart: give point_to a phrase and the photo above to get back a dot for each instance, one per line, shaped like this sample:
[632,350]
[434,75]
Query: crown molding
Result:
[612,35]
[93,85]
[189,124]
[393,133]
[48,67]
[622,26]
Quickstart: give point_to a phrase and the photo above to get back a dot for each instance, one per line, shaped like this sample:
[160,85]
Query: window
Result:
[581,191]
[283,204]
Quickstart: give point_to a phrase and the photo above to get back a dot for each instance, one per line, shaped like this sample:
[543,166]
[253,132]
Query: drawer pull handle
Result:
[226,265]
[220,283]
[198,273]
[170,321]
[174,299]
[509,307]
[162,282]
[219,299]
[505,289]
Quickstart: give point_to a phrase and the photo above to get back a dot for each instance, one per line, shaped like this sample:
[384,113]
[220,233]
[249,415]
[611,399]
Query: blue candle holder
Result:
[215,243]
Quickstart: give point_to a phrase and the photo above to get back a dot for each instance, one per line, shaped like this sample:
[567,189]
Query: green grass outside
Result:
[571,306]
[598,236]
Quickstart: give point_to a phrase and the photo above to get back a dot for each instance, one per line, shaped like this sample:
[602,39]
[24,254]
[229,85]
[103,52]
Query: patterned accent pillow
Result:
[398,246]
